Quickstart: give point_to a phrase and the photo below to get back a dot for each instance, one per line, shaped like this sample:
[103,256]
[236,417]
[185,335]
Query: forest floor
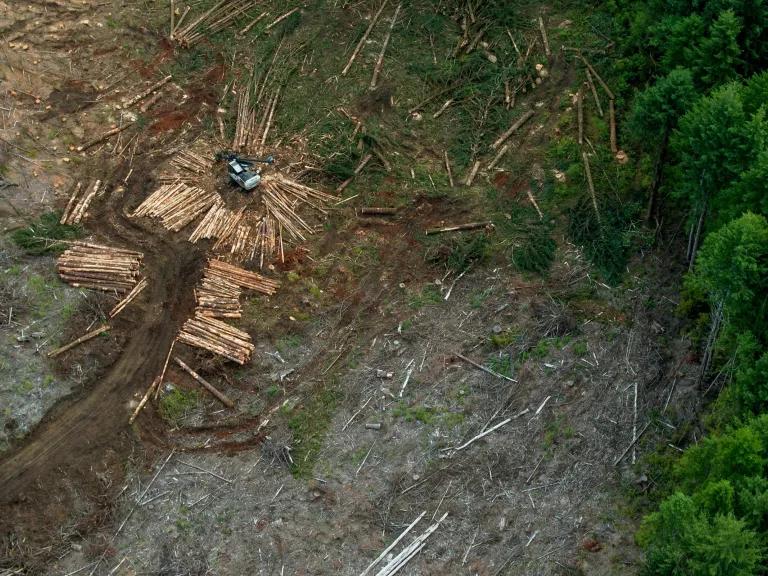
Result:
[347,419]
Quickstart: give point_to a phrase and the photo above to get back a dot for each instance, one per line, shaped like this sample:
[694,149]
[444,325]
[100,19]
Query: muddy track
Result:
[89,433]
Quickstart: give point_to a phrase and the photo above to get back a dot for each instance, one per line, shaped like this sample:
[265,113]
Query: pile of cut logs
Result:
[218,222]
[177,204]
[78,203]
[217,337]
[241,277]
[218,296]
[87,265]
[192,162]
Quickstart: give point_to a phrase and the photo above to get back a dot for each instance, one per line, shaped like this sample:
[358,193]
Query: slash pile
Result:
[218,296]
[177,204]
[86,265]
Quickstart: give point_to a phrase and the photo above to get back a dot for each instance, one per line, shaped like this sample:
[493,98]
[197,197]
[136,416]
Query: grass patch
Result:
[458,253]
[41,237]
[309,425]
[175,405]
[429,295]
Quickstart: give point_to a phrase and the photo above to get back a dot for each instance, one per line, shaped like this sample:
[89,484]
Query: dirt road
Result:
[85,440]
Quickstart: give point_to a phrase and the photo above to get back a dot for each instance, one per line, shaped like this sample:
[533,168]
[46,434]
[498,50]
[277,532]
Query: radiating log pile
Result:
[79,202]
[176,205]
[219,222]
[86,265]
[218,337]
[282,196]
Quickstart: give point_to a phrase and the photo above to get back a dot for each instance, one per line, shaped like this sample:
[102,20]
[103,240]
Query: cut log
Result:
[83,338]
[205,384]
[515,126]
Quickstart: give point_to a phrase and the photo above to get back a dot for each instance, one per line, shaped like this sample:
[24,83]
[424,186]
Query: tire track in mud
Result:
[77,438]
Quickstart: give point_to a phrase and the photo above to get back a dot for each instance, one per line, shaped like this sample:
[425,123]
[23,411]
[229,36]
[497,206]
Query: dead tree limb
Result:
[591,185]
[512,129]
[364,38]
[83,338]
[468,226]
[380,61]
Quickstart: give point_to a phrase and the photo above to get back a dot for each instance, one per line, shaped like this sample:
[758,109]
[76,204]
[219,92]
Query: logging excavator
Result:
[241,170]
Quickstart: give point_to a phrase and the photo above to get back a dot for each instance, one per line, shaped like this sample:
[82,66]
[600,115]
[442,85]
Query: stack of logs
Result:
[86,265]
[219,222]
[177,204]
[217,337]
[218,296]
[78,203]
[192,162]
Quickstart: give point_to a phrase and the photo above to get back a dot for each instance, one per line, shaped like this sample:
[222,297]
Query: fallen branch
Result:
[144,399]
[395,543]
[281,18]
[364,38]
[594,94]
[448,168]
[472,173]
[580,115]
[591,185]
[147,92]
[378,211]
[631,445]
[519,122]
[485,369]
[612,118]
[468,226]
[380,61]
[479,436]
[129,298]
[83,338]
[544,38]
[599,78]
[104,136]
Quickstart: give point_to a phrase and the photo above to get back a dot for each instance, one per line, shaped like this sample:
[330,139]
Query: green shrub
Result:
[177,404]
[40,237]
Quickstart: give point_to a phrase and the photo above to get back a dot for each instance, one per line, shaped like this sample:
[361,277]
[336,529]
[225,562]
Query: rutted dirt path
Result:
[86,436]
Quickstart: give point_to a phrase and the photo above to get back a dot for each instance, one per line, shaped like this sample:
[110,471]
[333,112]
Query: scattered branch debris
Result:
[139,97]
[485,369]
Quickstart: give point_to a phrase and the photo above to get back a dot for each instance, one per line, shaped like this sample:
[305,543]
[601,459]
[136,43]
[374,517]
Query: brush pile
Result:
[177,204]
[78,203]
[218,337]
[86,265]
[222,15]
